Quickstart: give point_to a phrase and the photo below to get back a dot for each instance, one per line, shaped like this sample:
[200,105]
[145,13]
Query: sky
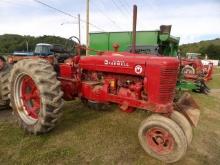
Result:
[191,20]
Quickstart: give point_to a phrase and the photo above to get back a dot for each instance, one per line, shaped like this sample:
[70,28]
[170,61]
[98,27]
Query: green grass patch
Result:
[215,82]
[87,136]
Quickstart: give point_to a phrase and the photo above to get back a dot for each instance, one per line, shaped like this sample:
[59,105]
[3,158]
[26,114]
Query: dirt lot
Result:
[86,136]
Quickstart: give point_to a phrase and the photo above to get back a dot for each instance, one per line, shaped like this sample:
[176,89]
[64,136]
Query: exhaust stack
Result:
[134,29]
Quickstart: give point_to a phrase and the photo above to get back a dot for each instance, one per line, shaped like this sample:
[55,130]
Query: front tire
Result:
[181,120]
[36,95]
[162,138]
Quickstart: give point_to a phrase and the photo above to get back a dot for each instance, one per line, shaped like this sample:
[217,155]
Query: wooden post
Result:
[87,26]
[79,28]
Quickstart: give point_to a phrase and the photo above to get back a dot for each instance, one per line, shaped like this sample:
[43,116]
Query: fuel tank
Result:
[126,63]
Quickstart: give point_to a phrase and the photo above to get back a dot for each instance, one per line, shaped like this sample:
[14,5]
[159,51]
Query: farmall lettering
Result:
[116,63]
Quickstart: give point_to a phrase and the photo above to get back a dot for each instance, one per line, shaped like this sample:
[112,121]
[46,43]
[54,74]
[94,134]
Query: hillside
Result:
[209,47]
[11,42]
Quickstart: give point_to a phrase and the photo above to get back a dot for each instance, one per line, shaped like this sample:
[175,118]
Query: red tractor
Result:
[192,68]
[38,86]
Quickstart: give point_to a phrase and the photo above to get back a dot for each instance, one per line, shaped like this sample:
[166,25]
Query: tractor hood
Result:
[125,63]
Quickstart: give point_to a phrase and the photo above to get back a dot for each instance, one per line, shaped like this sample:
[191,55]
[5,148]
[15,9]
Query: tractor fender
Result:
[188,67]
[189,108]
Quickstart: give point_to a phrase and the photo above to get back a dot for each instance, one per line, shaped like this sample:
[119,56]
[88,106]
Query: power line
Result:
[120,9]
[67,14]
[124,6]
[63,12]
[13,3]
[109,18]
[127,3]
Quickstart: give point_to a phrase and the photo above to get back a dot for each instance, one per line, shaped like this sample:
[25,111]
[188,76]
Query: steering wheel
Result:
[71,44]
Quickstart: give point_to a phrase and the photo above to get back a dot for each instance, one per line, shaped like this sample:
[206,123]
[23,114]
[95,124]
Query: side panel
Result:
[104,41]
[147,38]
[114,64]
[99,41]
[70,82]
[122,38]
[161,80]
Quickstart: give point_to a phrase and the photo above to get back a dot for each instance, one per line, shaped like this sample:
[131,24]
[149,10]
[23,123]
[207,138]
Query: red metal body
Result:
[70,80]
[195,63]
[130,80]
[208,70]
[200,69]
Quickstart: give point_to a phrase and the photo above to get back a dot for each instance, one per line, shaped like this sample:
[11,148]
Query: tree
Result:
[11,42]
[213,51]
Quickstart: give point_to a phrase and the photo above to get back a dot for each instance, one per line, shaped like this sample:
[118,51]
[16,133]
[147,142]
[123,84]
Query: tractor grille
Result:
[168,78]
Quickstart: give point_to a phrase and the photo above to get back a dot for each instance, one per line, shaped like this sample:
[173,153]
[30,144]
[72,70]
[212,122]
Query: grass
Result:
[216,83]
[86,136]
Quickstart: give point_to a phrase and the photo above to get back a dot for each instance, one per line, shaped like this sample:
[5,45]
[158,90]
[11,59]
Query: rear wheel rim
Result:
[159,140]
[27,99]
[188,71]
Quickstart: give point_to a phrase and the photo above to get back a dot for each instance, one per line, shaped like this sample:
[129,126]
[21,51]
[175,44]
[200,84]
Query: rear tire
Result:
[162,138]
[36,95]
[4,89]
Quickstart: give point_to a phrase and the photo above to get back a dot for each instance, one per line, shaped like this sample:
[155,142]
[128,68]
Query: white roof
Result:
[44,44]
[195,54]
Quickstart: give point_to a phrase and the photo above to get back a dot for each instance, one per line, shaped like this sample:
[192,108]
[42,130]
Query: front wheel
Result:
[181,120]
[36,96]
[162,138]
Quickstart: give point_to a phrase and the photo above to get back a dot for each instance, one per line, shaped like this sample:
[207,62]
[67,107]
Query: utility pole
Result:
[27,45]
[79,27]
[87,26]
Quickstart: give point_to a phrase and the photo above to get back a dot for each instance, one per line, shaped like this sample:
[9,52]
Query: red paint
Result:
[200,69]
[115,78]
[127,93]
[160,140]
[208,70]
[195,63]
[69,77]
[30,96]
[66,71]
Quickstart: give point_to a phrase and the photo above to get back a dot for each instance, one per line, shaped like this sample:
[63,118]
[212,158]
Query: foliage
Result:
[209,47]
[12,42]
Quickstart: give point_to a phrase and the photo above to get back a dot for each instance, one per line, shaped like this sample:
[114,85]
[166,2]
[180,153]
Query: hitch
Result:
[197,86]
[189,108]
[201,86]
